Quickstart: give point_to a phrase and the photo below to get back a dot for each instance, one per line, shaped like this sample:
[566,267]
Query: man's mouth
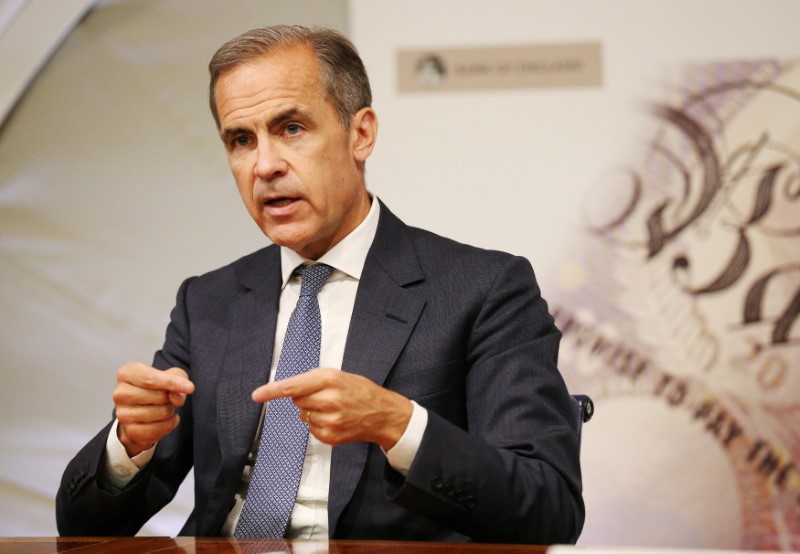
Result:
[280,202]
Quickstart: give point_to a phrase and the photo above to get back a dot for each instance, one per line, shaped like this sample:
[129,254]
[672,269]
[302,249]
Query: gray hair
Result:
[342,73]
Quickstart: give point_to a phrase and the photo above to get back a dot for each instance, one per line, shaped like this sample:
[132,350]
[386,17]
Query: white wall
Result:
[506,169]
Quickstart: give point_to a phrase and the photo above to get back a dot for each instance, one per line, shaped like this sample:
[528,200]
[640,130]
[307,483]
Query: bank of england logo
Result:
[430,70]
[685,289]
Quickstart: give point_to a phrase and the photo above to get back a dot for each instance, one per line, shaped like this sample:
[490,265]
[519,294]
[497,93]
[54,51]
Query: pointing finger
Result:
[291,387]
[173,380]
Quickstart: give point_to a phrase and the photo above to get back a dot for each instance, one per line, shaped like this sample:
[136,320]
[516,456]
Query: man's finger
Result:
[292,387]
[177,399]
[172,380]
[144,414]
[144,435]
[127,394]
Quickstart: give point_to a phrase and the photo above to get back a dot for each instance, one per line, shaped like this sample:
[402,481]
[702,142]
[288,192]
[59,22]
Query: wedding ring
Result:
[308,417]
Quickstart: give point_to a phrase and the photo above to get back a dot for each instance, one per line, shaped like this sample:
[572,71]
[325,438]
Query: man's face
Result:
[298,171]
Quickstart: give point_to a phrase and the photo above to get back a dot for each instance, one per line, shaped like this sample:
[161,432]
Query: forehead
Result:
[288,74]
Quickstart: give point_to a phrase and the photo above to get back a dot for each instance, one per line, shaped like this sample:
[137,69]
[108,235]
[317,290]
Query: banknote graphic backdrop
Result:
[682,297]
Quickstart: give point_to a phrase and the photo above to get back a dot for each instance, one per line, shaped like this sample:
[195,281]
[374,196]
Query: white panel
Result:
[35,29]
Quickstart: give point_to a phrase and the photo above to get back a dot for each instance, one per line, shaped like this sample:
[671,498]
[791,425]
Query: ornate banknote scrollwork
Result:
[694,258]
[704,203]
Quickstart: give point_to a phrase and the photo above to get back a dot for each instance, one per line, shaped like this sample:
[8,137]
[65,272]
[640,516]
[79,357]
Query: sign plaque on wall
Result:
[508,67]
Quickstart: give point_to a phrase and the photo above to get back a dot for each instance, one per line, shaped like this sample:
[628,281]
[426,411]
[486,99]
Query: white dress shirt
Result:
[309,519]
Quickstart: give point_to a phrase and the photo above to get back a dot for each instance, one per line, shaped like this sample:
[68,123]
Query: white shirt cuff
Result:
[120,469]
[402,454]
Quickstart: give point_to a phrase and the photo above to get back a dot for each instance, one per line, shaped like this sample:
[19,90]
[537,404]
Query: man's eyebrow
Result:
[289,113]
[230,133]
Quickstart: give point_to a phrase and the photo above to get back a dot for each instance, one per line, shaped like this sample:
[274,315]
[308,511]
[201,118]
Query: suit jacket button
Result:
[470,503]
[437,483]
[450,490]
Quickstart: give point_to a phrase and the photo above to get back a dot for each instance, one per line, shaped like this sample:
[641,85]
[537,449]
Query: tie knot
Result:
[312,277]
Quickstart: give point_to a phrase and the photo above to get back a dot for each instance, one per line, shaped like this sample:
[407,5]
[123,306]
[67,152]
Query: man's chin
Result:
[292,242]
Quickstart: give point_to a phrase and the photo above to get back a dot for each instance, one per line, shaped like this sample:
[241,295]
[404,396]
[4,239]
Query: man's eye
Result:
[293,129]
[240,141]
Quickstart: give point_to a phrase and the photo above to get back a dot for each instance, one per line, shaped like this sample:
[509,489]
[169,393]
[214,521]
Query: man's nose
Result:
[270,162]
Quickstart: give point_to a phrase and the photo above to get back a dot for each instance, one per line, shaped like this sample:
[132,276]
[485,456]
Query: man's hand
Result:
[145,400]
[341,407]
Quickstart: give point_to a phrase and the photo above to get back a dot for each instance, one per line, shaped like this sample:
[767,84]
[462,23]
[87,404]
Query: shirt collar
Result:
[347,257]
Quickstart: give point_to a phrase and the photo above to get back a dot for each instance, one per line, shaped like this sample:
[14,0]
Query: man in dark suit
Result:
[437,412]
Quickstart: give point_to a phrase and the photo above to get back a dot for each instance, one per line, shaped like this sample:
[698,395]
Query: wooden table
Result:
[82,545]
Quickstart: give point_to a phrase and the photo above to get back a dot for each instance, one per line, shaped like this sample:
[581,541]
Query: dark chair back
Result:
[584,410]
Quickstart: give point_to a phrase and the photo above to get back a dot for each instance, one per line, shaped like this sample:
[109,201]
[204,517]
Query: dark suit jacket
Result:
[462,331]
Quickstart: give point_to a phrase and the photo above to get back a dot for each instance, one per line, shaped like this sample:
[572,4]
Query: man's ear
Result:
[363,132]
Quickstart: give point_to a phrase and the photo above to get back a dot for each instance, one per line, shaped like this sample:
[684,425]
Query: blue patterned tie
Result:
[276,475]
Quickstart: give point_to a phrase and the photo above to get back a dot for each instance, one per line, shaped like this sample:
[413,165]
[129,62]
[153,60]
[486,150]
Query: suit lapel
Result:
[252,318]
[385,312]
